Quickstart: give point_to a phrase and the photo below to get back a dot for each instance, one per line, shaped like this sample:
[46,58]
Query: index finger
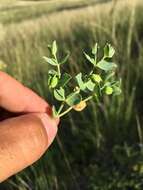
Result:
[15,97]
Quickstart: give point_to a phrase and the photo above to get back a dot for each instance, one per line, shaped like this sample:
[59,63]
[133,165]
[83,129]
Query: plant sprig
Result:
[99,81]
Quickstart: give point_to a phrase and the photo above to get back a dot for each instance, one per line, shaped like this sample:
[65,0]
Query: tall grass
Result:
[101,148]
[24,10]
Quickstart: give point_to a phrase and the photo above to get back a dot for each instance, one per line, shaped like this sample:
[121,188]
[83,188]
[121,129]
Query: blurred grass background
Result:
[102,147]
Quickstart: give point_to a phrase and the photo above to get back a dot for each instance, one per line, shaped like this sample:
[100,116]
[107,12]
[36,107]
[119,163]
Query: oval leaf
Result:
[80,82]
[51,61]
[73,99]
[54,48]
[94,49]
[59,94]
[106,66]
[52,72]
[91,60]
[90,85]
[109,51]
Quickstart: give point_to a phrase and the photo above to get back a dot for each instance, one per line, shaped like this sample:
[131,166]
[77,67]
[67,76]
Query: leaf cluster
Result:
[99,81]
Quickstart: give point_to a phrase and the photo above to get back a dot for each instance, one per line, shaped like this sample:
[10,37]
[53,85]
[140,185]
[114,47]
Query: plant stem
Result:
[59,71]
[65,112]
[58,67]
[89,98]
[70,108]
[61,107]
[91,72]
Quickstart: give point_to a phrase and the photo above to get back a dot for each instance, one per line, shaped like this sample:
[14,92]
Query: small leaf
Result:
[117,90]
[96,78]
[73,99]
[65,58]
[52,72]
[90,85]
[109,51]
[54,81]
[54,112]
[54,48]
[109,90]
[51,61]
[106,66]
[94,49]
[59,94]
[91,60]
[80,82]
[65,78]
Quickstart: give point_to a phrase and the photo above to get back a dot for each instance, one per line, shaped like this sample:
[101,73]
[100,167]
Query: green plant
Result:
[74,92]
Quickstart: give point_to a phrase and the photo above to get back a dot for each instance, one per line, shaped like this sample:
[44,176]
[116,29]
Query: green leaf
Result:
[51,61]
[52,72]
[80,82]
[54,112]
[117,90]
[59,94]
[54,48]
[109,51]
[106,66]
[54,81]
[65,58]
[94,49]
[65,78]
[91,60]
[96,78]
[90,85]
[73,99]
[108,90]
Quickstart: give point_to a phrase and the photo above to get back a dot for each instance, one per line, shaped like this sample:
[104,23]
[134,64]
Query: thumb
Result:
[23,140]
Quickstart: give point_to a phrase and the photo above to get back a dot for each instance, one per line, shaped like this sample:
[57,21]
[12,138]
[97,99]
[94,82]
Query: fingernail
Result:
[50,125]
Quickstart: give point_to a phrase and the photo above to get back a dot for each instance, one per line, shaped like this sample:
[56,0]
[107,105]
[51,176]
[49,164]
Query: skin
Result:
[26,128]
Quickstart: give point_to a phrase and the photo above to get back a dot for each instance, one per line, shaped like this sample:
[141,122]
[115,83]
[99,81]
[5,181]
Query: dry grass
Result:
[98,129]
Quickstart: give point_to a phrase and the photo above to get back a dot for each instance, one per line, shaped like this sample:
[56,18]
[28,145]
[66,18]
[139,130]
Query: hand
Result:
[26,128]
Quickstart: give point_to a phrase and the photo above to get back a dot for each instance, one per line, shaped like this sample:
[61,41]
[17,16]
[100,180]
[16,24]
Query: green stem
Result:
[89,98]
[65,112]
[91,72]
[59,71]
[99,89]
[58,67]
[61,107]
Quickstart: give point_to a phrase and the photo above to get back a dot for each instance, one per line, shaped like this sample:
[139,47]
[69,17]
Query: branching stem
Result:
[65,112]
[61,107]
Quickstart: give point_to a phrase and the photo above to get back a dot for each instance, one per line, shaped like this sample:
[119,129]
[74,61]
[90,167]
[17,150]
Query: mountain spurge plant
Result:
[73,92]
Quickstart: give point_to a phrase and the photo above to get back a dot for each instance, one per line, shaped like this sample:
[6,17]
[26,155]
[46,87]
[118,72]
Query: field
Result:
[102,147]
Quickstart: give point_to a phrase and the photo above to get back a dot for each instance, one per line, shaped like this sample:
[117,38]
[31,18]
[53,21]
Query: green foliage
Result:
[89,152]
[105,65]
[80,82]
[108,90]
[64,80]
[54,48]
[59,94]
[86,82]
[73,99]
[91,60]
[96,78]
[109,51]
[51,61]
